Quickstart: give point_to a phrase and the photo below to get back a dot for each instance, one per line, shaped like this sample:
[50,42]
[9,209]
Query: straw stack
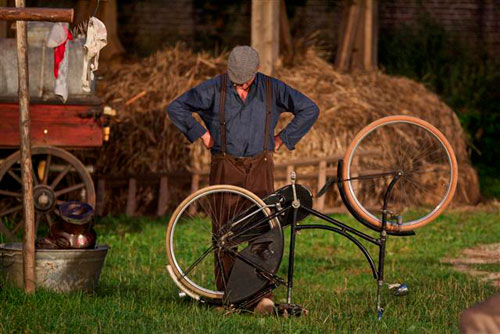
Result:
[142,140]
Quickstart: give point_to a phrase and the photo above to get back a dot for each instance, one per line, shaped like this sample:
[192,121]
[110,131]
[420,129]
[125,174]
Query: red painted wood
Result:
[56,125]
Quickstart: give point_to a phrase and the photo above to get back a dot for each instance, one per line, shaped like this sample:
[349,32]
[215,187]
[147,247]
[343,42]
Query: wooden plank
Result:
[265,32]
[162,197]
[101,196]
[131,197]
[320,202]
[285,35]
[348,33]
[36,14]
[307,161]
[358,51]
[371,35]
[56,125]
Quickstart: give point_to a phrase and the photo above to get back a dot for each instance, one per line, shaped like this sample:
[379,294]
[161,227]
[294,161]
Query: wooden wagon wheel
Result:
[58,176]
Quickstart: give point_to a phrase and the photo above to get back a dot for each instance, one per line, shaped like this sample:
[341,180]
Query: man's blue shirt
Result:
[245,120]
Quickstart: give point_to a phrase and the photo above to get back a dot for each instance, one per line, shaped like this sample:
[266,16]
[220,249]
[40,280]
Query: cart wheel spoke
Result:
[11,210]
[60,177]
[34,176]
[49,219]
[10,193]
[14,176]
[69,189]
[46,170]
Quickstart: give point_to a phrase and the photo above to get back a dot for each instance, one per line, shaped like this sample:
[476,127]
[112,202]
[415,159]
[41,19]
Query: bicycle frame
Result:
[340,228]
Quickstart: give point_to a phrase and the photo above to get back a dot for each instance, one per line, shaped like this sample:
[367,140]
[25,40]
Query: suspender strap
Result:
[269,99]
[222,116]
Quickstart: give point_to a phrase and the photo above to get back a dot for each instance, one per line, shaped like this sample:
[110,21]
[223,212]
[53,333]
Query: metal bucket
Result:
[61,270]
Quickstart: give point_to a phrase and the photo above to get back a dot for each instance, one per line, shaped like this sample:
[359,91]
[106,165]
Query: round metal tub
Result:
[61,270]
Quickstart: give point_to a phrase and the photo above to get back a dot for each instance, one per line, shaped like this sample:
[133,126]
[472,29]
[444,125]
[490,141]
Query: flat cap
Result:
[242,64]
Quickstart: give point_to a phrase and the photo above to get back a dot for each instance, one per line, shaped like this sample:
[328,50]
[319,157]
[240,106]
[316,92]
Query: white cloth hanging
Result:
[57,39]
[96,40]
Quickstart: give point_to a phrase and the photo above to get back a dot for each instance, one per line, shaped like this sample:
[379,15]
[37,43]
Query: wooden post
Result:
[131,197]
[163,196]
[21,14]
[347,35]
[289,170]
[195,184]
[195,181]
[320,202]
[101,196]
[371,35]
[358,36]
[26,163]
[285,35]
[265,32]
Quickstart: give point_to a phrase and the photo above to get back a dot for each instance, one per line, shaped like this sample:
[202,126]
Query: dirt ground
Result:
[470,258]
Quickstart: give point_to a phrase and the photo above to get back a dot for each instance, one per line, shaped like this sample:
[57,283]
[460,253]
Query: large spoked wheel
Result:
[409,146]
[198,232]
[58,176]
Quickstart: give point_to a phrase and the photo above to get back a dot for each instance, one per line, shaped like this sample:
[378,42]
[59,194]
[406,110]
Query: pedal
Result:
[399,290]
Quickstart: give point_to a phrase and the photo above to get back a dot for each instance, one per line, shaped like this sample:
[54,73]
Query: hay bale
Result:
[143,140]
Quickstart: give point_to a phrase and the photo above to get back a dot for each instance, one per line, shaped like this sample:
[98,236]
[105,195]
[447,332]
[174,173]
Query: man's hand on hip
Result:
[277,143]
[207,140]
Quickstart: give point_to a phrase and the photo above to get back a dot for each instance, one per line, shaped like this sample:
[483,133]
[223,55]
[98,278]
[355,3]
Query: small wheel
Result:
[412,147]
[197,231]
[58,176]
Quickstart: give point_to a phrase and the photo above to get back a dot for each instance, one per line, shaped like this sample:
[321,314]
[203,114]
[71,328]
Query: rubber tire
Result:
[396,119]
[184,285]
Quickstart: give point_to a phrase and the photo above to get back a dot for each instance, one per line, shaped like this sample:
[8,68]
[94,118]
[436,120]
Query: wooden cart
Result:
[58,176]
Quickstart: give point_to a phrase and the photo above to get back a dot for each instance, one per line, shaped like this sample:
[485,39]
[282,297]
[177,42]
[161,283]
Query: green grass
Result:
[136,295]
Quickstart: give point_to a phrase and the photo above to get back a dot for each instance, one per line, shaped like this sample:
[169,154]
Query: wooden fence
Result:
[321,168]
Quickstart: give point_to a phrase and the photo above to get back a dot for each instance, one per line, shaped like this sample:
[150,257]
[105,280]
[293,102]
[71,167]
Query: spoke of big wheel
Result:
[14,176]
[49,220]
[46,171]
[10,193]
[69,189]
[60,177]
[37,222]
[198,260]
[34,176]
[14,209]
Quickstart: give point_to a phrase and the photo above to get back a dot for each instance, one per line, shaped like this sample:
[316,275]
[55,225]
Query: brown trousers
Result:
[254,174]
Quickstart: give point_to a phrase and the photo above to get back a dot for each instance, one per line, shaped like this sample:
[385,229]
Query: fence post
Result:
[320,202]
[163,196]
[289,170]
[131,202]
[101,196]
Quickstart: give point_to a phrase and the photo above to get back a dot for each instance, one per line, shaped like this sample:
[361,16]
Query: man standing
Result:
[240,110]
